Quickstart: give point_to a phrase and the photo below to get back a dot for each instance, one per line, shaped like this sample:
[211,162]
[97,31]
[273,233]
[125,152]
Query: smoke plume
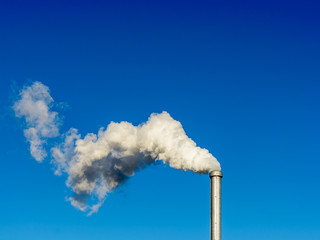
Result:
[98,163]
[41,123]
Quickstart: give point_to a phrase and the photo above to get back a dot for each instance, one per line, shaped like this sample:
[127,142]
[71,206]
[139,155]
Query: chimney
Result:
[215,182]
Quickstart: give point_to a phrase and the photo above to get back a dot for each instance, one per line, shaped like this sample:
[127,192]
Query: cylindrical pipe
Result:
[215,228]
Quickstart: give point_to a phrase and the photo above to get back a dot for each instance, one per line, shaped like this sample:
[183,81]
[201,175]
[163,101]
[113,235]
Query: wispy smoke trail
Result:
[98,163]
[34,105]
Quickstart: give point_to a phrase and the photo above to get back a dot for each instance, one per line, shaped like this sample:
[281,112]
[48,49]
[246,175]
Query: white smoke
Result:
[98,163]
[34,105]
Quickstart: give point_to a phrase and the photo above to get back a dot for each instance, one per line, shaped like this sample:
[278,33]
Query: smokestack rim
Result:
[215,173]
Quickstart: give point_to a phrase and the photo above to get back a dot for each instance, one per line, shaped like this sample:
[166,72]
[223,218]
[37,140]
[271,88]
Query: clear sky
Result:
[241,76]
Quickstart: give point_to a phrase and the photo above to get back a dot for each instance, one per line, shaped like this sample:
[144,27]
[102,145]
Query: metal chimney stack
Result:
[215,228]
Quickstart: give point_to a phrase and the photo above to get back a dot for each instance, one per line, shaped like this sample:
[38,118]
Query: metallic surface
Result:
[215,228]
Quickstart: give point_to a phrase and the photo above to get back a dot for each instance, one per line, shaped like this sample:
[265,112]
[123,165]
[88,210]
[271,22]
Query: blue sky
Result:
[242,78]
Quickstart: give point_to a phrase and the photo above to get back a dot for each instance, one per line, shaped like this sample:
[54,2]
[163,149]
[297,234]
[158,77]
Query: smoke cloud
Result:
[41,123]
[98,163]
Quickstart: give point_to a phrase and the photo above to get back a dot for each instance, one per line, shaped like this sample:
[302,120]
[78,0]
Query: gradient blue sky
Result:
[241,76]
